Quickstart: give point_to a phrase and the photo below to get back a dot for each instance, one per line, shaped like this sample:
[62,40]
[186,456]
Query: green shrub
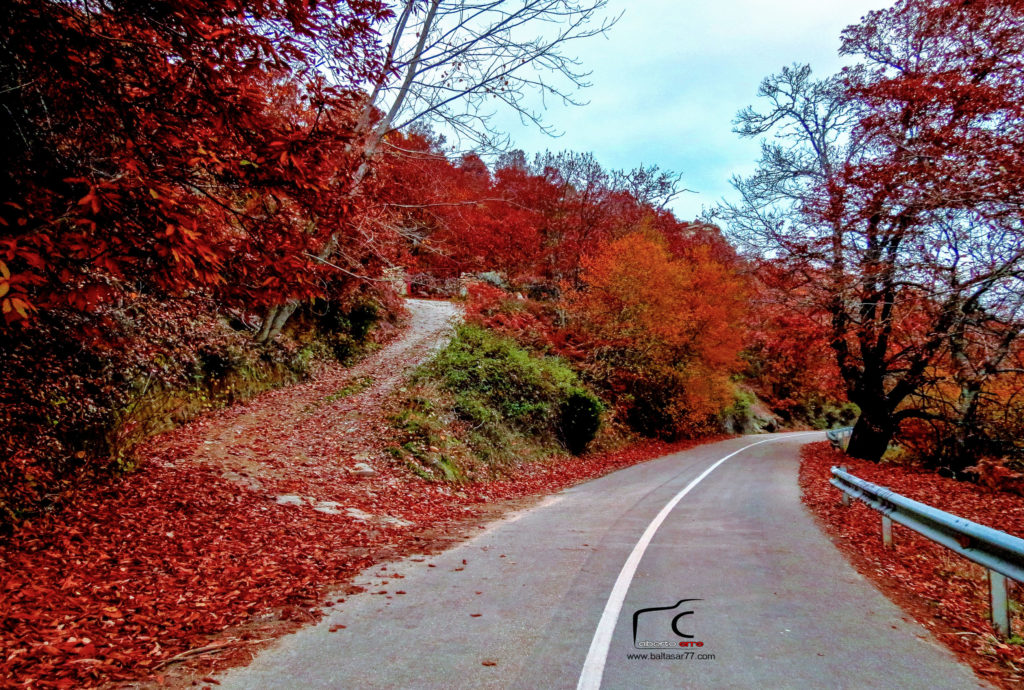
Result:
[742,403]
[485,370]
[507,405]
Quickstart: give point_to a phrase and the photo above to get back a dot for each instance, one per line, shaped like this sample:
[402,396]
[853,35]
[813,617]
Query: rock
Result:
[357,514]
[494,278]
[363,516]
[362,469]
[397,522]
[329,507]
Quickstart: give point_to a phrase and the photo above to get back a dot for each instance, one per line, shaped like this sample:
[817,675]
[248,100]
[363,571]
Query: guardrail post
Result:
[846,496]
[887,531]
[1000,603]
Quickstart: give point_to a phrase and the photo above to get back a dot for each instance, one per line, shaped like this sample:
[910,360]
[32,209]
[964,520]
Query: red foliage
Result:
[461,218]
[533,223]
[126,576]
[789,359]
[941,588]
[484,300]
[942,83]
[662,331]
[521,319]
[174,145]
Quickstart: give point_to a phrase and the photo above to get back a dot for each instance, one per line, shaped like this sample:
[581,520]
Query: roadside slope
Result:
[248,511]
[941,589]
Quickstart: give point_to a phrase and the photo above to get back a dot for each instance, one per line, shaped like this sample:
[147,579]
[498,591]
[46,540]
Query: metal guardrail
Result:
[839,438]
[1001,553]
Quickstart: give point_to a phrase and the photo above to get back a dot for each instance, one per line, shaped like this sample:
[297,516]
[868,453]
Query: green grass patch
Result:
[484,403]
[351,388]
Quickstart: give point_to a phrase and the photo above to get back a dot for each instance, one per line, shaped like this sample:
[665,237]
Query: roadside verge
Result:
[943,591]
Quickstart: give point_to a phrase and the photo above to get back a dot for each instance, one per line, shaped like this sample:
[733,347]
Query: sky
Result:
[670,76]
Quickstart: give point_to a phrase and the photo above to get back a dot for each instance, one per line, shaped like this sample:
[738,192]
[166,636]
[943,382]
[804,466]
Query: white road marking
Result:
[593,667]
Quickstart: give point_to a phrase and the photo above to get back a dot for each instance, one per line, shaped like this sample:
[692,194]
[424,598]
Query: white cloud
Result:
[670,77]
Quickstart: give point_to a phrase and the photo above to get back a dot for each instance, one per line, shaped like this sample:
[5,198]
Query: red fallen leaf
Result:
[475,615]
[399,592]
[111,544]
[489,662]
[952,589]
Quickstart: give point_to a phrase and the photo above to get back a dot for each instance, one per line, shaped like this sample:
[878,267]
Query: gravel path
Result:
[298,439]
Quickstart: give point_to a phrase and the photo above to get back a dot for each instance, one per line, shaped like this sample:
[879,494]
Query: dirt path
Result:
[299,442]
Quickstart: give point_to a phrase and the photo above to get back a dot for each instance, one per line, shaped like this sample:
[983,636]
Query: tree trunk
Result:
[268,321]
[274,320]
[960,455]
[871,434]
[283,314]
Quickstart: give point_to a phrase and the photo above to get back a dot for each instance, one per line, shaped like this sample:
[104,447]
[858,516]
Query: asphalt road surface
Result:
[547,598]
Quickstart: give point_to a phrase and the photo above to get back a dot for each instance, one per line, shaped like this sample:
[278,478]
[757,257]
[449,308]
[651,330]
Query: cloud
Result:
[671,75]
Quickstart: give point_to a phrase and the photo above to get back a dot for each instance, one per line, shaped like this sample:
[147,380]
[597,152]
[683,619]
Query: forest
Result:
[204,201]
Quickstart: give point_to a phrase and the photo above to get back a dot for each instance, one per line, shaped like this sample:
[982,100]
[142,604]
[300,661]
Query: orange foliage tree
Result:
[663,330]
[789,363]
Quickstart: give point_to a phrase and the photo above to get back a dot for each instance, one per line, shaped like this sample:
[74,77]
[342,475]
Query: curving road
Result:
[732,564]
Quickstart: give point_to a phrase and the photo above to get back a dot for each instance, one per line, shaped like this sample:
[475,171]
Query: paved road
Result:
[772,601]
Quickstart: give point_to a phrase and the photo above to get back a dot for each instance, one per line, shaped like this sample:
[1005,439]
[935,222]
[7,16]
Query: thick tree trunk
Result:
[872,433]
[274,320]
[961,452]
[283,314]
[268,321]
